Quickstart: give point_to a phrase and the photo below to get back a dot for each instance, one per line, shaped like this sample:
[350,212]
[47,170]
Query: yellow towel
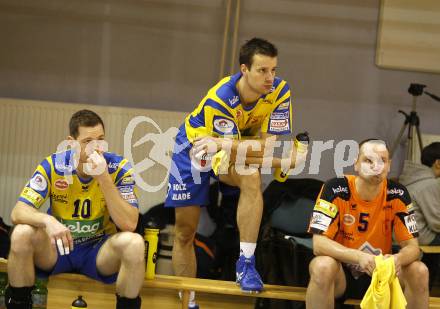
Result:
[220,163]
[384,291]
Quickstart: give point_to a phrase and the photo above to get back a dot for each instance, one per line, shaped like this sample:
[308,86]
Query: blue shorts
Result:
[82,260]
[188,183]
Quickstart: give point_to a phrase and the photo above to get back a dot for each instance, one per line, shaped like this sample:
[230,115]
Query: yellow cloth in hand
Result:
[220,163]
[384,291]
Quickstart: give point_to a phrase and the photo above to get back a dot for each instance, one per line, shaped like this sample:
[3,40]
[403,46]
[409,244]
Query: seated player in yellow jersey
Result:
[92,197]
[252,103]
[354,219]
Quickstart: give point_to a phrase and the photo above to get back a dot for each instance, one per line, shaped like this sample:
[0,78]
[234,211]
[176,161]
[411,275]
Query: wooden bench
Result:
[430,249]
[214,287]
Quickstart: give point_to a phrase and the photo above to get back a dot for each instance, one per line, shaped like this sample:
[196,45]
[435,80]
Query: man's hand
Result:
[397,264]
[60,236]
[96,165]
[367,263]
[205,145]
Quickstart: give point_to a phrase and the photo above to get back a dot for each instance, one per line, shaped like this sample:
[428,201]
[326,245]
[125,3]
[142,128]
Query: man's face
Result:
[373,164]
[261,75]
[90,139]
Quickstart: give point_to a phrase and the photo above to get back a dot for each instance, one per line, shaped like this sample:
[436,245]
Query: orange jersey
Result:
[341,215]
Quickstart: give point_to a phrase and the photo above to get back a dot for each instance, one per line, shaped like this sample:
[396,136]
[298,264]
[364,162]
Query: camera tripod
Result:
[412,121]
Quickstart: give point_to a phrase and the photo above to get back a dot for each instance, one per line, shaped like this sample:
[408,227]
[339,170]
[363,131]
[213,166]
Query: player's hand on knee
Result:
[60,236]
[367,262]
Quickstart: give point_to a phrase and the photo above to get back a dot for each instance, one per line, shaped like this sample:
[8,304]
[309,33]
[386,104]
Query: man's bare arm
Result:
[324,246]
[409,253]
[25,214]
[251,151]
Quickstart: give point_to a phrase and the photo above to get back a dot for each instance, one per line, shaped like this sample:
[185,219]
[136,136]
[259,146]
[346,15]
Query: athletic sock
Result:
[18,298]
[128,303]
[247,249]
[192,298]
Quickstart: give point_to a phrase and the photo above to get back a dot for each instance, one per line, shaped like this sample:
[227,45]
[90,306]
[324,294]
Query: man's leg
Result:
[415,277]
[30,246]
[327,282]
[124,252]
[249,212]
[250,203]
[184,257]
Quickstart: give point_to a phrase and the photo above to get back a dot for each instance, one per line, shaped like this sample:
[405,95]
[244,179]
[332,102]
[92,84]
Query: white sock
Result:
[192,298]
[247,249]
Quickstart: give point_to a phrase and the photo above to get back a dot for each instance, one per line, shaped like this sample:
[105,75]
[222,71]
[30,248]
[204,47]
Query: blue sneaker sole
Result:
[251,291]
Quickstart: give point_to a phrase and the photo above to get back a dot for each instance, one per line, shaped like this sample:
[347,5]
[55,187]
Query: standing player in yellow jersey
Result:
[354,219]
[92,196]
[253,103]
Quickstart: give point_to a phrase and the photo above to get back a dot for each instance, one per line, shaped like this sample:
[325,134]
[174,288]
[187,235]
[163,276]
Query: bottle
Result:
[151,236]
[39,294]
[301,144]
[79,303]
[3,283]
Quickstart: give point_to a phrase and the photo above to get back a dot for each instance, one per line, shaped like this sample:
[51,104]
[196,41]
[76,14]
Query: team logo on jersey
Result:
[283,106]
[61,184]
[280,115]
[113,166]
[320,221]
[59,198]
[396,191]
[127,193]
[84,228]
[369,248]
[340,189]
[239,113]
[279,125]
[224,125]
[348,219]
[411,224]
[234,100]
[409,207]
[32,196]
[326,208]
[62,167]
[127,180]
[38,183]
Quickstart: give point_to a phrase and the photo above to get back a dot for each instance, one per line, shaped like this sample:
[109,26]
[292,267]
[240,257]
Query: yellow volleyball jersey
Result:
[220,113]
[78,203]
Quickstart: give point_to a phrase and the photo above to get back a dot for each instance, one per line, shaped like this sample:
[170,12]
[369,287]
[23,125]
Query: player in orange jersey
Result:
[353,220]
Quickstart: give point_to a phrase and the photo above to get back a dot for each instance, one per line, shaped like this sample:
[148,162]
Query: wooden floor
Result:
[62,292]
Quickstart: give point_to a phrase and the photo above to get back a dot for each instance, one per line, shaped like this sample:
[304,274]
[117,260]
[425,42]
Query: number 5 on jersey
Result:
[363,221]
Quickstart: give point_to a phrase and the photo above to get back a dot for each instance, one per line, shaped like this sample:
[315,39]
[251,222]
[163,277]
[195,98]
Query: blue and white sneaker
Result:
[247,276]
[195,306]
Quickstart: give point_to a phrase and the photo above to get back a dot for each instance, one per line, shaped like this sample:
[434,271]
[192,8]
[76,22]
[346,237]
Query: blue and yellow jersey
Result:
[78,203]
[220,113]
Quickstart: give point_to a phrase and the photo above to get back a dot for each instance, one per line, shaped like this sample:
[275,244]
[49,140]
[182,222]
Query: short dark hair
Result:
[256,46]
[378,140]
[430,154]
[83,118]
